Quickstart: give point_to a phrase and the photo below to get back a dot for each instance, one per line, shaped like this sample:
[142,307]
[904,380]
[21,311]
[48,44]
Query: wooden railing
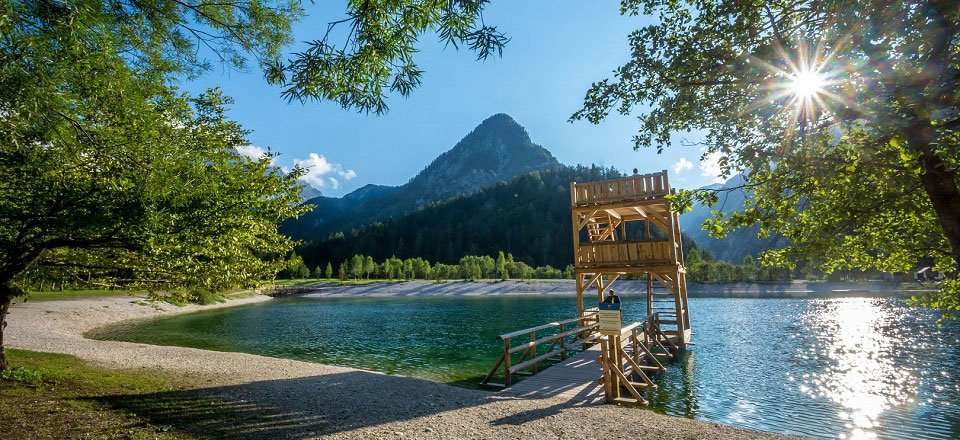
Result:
[625,367]
[543,343]
[625,253]
[646,186]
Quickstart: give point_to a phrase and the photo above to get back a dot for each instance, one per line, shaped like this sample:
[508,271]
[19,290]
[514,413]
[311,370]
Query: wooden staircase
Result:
[600,229]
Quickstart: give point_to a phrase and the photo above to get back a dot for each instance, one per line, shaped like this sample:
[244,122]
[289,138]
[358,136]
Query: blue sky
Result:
[558,49]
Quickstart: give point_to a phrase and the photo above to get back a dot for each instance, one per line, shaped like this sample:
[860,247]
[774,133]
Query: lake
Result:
[829,368]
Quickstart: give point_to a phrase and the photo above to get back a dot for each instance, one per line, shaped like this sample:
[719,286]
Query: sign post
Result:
[611,323]
[610,319]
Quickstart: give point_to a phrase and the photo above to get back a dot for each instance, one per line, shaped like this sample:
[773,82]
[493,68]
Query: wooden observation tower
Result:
[626,227]
[621,228]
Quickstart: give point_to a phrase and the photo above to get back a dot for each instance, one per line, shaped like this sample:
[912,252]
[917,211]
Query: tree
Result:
[693,257]
[369,266]
[294,268]
[328,272]
[317,272]
[164,205]
[300,272]
[342,273]
[105,168]
[470,268]
[843,113]
[487,266]
[356,266]
[394,268]
[502,266]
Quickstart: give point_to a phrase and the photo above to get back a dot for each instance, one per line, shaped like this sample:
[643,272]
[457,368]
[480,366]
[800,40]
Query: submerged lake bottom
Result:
[865,367]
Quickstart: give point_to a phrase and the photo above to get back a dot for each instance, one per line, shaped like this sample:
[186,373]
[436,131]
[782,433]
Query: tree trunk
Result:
[6,297]
[940,184]
[941,187]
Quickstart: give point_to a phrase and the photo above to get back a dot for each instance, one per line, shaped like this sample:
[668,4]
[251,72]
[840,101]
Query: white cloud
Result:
[348,174]
[710,167]
[682,164]
[318,168]
[252,151]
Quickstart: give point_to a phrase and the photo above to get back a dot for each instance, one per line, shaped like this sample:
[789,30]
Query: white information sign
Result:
[610,319]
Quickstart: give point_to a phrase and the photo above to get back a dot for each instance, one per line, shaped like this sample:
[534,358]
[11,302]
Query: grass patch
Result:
[48,395]
[60,369]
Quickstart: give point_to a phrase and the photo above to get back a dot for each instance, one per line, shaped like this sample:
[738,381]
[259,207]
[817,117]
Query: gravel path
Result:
[293,399]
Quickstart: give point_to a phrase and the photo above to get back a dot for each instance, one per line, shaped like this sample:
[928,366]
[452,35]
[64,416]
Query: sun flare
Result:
[807,84]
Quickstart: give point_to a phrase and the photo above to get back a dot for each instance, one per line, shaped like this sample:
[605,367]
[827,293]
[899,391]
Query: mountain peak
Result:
[500,118]
[498,149]
[500,124]
[369,191]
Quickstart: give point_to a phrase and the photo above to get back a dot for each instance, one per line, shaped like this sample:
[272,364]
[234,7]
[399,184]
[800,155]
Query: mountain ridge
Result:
[738,243]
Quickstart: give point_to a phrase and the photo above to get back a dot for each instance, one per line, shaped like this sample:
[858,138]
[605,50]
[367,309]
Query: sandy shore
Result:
[305,400]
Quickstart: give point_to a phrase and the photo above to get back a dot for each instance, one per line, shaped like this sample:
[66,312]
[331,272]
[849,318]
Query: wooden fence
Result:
[544,343]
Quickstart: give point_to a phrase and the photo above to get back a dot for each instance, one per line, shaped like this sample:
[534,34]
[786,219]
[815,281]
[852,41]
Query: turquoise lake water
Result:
[828,368]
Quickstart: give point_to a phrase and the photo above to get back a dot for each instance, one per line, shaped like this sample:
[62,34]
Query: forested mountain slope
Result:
[528,217]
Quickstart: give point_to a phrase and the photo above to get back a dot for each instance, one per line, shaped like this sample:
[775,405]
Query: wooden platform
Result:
[574,379]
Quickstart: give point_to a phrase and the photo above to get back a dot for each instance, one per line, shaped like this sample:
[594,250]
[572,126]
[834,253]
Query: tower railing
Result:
[625,253]
[632,188]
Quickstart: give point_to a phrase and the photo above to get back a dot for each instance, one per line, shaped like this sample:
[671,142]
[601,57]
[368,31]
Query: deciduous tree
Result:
[844,116]
[105,168]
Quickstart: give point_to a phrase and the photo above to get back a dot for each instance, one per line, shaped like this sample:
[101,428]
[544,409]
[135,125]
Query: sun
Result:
[806,84]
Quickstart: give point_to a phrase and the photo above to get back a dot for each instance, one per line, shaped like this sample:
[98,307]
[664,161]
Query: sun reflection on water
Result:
[858,339]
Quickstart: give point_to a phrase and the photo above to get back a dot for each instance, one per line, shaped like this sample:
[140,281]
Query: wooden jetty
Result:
[574,379]
[621,228]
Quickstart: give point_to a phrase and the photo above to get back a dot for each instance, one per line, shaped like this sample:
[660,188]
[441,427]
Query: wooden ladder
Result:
[667,307]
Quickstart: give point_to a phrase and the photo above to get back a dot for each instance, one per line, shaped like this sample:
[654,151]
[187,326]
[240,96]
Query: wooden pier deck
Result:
[575,379]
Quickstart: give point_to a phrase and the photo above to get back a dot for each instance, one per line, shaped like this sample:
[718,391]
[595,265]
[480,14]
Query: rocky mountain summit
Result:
[499,149]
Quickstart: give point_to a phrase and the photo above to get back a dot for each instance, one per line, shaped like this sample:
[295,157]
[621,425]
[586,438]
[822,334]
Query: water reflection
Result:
[856,343]
[676,392]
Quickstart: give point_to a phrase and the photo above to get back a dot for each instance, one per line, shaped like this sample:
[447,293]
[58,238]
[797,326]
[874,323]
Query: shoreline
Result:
[329,400]
[627,287]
